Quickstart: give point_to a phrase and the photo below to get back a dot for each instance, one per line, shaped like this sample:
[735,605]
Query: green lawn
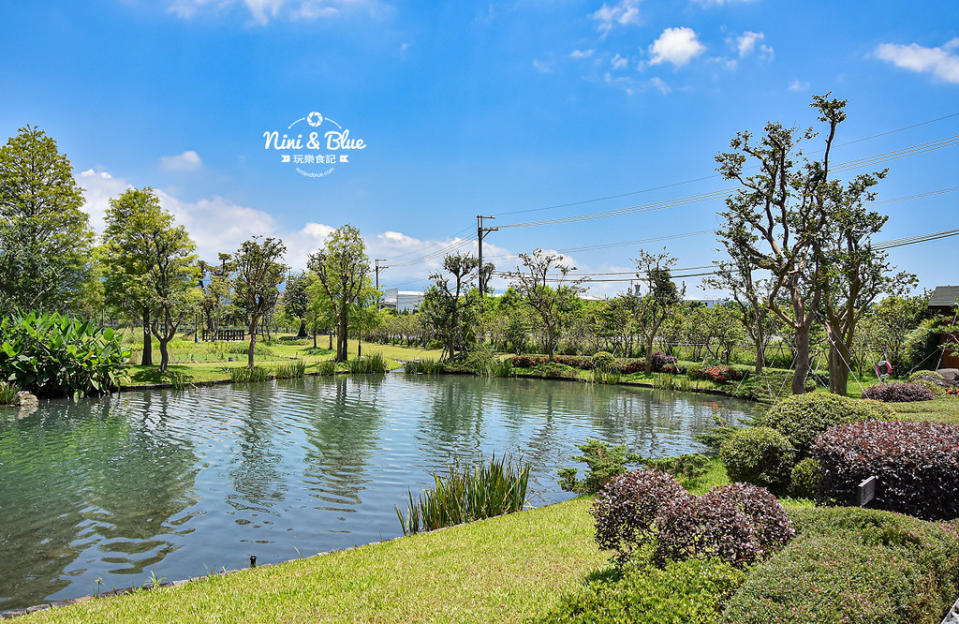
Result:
[505,569]
[944,409]
[211,361]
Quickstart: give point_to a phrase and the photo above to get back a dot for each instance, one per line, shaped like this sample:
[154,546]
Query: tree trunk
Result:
[314,338]
[341,336]
[147,358]
[249,353]
[302,332]
[649,353]
[760,355]
[164,355]
[802,361]
[330,347]
[838,370]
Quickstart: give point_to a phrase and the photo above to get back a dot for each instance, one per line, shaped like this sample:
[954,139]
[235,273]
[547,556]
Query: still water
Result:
[181,483]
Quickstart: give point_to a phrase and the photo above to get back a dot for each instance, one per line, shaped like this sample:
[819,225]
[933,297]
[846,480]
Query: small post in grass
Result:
[867,491]
[252,561]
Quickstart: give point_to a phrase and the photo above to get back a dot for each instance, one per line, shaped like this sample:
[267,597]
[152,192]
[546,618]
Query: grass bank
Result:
[506,569]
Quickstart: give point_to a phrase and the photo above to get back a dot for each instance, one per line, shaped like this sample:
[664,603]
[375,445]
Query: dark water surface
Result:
[178,484]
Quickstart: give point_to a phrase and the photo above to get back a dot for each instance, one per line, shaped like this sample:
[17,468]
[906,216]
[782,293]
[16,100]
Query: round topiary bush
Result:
[759,455]
[626,509]
[928,375]
[898,392]
[937,390]
[603,360]
[806,476]
[804,417]
[739,523]
[916,465]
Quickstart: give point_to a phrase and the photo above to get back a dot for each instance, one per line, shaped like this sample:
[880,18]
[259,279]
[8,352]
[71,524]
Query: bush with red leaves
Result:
[898,392]
[916,465]
[626,509]
[739,523]
[719,374]
[627,366]
[661,361]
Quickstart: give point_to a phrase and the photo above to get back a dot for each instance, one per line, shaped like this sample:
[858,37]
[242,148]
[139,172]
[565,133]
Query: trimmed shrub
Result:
[928,375]
[628,366]
[719,374]
[806,476]
[916,464]
[853,565]
[759,455]
[937,390]
[804,417]
[603,361]
[626,509]
[898,392]
[662,363]
[679,593]
[739,523]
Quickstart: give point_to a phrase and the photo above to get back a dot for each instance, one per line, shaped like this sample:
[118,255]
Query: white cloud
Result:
[542,66]
[624,12]
[619,62]
[677,46]
[752,42]
[799,86]
[263,11]
[660,85]
[98,188]
[942,62]
[718,3]
[187,161]
[581,54]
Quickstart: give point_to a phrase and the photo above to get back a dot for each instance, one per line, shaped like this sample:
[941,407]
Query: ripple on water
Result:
[180,483]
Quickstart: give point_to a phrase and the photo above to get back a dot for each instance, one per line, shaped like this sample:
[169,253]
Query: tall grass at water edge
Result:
[492,488]
[375,363]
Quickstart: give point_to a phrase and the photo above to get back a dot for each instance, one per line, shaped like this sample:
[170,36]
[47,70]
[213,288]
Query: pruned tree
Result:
[259,271]
[447,308]
[855,273]
[45,237]
[551,304]
[341,266]
[773,219]
[217,286]
[649,310]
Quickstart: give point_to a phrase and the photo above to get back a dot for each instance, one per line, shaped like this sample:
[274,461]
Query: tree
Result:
[552,304]
[150,266]
[737,276]
[45,238]
[259,273]
[341,266]
[650,310]
[217,285]
[319,309]
[774,217]
[296,300]
[895,318]
[855,273]
[447,308]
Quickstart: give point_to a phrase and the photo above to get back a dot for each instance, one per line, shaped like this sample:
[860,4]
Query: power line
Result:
[716,175]
[912,150]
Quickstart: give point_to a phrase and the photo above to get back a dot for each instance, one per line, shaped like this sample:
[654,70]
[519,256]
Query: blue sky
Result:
[471,108]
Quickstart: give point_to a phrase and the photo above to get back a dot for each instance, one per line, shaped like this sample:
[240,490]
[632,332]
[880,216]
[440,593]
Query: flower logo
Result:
[314,119]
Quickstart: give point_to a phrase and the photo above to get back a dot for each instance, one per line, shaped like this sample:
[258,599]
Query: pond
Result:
[182,483]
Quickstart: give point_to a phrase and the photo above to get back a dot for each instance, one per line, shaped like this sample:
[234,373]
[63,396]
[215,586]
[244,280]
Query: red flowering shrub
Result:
[719,374]
[627,366]
[916,465]
[576,361]
[898,392]
[739,523]
[527,361]
[626,509]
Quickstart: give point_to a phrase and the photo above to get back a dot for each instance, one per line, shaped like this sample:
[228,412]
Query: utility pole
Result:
[377,267]
[481,233]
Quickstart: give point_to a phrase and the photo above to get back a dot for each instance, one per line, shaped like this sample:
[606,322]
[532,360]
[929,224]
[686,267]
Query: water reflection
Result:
[180,483]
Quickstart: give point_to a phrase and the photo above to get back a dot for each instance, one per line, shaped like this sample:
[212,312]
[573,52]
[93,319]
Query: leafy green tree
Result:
[259,273]
[150,265]
[775,216]
[651,309]
[319,310]
[551,304]
[895,318]
[296,300]
[364,316]
[217,285]
[341,266]
[45,238]
[447,308]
